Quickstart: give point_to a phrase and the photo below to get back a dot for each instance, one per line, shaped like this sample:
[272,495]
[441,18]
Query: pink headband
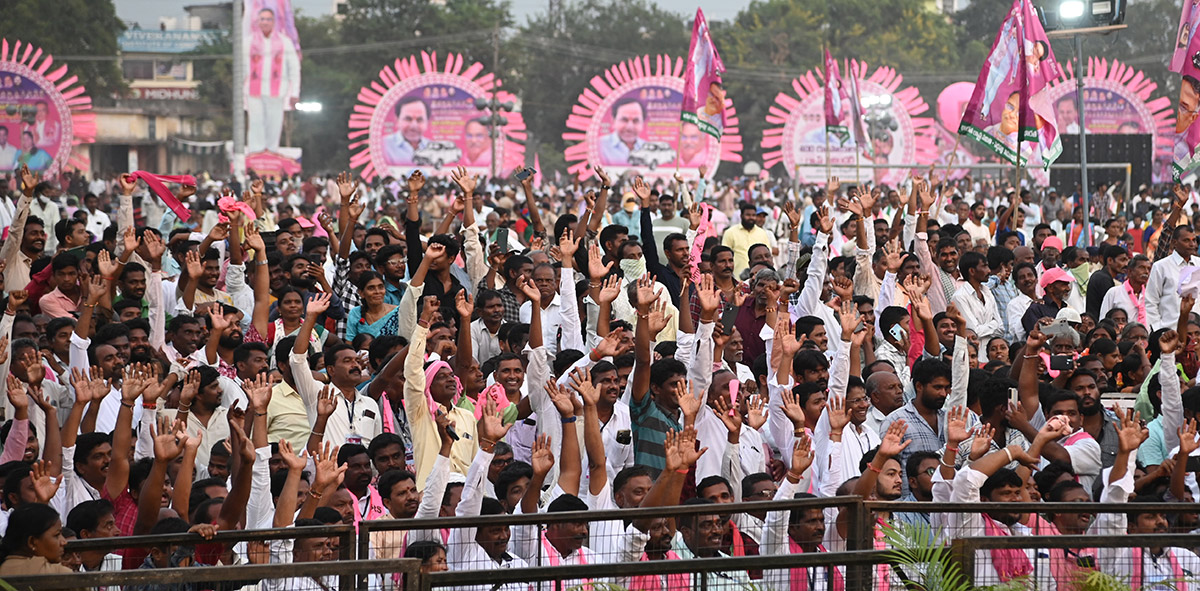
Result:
[430,373]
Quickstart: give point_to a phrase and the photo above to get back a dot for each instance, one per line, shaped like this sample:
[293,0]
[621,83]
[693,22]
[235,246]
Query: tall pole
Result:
[495,72]
[239,81]
[1083,172]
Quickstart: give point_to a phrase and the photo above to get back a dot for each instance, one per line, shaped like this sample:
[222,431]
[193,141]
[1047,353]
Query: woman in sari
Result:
[375,316]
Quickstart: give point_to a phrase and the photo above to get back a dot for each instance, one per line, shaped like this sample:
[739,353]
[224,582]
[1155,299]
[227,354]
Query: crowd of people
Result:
[325,352]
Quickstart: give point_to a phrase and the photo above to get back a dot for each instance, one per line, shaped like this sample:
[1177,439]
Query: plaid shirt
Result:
[512,308]
[1004,292]
[923,437]
[343,289]
[725,305]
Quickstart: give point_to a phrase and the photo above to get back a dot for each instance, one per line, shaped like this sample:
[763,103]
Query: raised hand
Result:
[195,267]
[953,313]
[346,186]
[688,402]
[562,400]
[611,346]
[850,319]
[708,295]
[982,442]
[893,256]
[569,244]
[155,247]
[542,457]
[731,419]
[785,332]
[137,379]
[642,190]
[831,187]
[609,290]
[191,387]
[893,441]
[1168,341]
[838,417]
[1131,433]
[127,182]
[659,318]
[687,447]
[646,290]
[1187,438]
[802,457]
[319,303]
[490,425]
[291,459]
[796,218]
[603,176]
[258,390]
[329,474]
[583,384]
[129,239]
[169,440]
[530,290]
[824,220]
[16,394]
[792,409]
[465,181]
[326,403]
[956,427]
[16,299]
[106,265]
[415,183]
[45,486]
[596,266]
[756,412]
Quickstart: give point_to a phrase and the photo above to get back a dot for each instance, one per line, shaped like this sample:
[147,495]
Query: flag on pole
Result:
[1010,104]
[837,103]
[703,91]
[1186,62]
[858,130]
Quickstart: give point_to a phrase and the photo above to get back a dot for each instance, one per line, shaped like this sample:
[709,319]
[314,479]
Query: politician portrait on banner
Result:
[270,50]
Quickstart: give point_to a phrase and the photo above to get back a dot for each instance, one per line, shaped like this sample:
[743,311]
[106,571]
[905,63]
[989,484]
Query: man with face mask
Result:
[741,238]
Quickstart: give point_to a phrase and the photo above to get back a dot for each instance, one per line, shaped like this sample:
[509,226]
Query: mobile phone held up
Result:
[525,173]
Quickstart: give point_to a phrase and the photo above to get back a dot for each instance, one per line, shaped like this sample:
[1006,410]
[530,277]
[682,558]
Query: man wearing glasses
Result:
[919,470]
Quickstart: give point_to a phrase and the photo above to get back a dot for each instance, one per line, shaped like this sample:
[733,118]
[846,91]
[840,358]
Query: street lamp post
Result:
[494,121]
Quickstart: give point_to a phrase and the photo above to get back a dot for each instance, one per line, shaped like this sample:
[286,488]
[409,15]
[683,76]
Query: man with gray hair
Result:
[764,294]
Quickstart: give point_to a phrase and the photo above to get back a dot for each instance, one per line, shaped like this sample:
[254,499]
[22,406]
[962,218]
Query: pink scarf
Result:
[256,63]
[1139,301]
[229,204]
[157,183]
[799,578]
[495,392]
[375,508]
[1009,563]
[1178,581]
[430,373]
[554,558]
[883,572]
[675,582]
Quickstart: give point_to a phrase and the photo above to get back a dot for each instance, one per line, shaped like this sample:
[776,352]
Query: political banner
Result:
[271,57]
[703,91]
[1009,105]
[893,130]
[427,118]
[1185,61]
[629,121]
[1117,99]
[837,101]
[43,112]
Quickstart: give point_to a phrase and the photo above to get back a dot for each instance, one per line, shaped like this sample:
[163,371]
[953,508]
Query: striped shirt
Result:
[650,426]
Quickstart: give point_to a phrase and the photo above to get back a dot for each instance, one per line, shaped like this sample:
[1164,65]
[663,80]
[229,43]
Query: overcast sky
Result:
[147,12]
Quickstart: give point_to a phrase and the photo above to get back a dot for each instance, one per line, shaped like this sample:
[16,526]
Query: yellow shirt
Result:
[287,417]
[426,441]
[740,240]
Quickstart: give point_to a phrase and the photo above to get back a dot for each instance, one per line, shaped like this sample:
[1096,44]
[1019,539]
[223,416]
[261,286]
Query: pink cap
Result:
[1055,274]
[305,222]
[1054,241]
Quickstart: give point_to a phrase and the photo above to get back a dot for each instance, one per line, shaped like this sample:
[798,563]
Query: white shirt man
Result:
[272,81]
[981,314]
[1162,299]
[8,152]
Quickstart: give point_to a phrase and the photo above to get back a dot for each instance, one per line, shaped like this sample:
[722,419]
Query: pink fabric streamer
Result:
[158,184]
[230,204]
[494,392]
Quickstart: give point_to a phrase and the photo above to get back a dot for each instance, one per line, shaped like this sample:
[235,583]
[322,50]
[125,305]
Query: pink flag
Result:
[836,101]
[1010,104]
[703,92]
[1186,62]
[858,129]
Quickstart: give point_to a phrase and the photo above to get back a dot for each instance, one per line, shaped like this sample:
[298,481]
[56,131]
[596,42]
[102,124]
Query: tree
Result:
[71,27]
[216,76]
